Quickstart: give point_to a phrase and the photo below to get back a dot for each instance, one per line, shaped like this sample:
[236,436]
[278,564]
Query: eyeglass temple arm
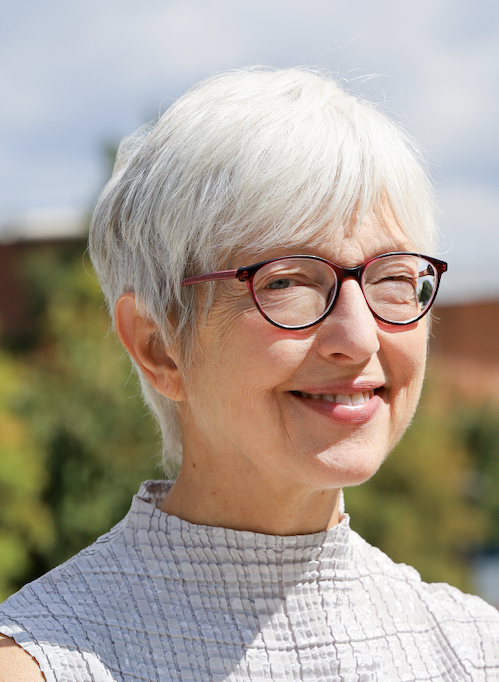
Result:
[441,266]
[210,277]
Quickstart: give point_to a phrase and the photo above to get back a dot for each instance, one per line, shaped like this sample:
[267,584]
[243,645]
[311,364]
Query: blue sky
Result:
[75,76]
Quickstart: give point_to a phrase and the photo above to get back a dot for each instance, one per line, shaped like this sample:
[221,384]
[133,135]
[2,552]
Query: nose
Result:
[350,331]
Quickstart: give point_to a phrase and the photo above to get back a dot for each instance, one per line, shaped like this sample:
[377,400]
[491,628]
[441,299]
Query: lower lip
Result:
[348,414]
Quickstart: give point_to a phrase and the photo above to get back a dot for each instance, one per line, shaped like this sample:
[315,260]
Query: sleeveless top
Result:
[160,599]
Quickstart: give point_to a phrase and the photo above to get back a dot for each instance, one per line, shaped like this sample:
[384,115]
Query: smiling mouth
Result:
[348,399]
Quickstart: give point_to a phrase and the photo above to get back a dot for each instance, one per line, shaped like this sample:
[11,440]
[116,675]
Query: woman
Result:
[259,248]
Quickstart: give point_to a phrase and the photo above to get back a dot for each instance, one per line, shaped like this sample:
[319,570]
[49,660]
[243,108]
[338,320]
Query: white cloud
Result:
[55,223]
[470,223]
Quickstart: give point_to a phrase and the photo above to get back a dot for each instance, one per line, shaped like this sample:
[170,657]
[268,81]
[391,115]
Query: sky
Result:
[76,77]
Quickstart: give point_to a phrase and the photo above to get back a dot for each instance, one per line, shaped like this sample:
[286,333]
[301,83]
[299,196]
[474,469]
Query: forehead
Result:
[372,237]
[348,246]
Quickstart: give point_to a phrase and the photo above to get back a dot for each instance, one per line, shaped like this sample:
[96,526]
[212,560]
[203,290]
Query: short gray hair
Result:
[245,161]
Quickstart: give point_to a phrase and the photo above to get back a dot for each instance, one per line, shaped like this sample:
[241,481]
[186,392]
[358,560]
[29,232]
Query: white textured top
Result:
[160,599]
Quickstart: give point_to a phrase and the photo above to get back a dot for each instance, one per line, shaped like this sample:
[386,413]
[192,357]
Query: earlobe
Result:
[142,339]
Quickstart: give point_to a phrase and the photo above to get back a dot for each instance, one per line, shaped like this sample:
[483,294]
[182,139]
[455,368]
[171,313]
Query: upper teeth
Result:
[341,398]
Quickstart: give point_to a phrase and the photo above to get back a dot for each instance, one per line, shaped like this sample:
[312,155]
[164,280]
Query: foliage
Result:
[26,525]
[479,429]
[95,440]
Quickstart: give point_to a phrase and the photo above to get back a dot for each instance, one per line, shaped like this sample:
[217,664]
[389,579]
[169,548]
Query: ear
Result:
[141,338]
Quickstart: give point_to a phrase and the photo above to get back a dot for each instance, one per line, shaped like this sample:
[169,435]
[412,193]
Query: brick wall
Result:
[470,330]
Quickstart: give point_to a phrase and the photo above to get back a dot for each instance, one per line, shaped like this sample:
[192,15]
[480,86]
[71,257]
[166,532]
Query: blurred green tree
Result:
[479,429]
[26,525]
[95,440]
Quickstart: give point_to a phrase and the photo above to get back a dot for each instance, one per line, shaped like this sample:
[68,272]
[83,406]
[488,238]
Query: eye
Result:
[282,283]
[394,273]
[402,279]
[393,284]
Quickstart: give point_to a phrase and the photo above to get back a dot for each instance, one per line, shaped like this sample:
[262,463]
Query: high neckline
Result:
[146,517]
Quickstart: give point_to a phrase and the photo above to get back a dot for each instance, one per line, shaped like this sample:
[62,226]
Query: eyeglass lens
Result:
[295,292]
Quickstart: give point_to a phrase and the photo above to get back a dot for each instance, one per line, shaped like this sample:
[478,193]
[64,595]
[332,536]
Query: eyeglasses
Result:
[297,292]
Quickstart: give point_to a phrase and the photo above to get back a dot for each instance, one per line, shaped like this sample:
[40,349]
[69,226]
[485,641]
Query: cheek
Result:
[244,363]
[406,356]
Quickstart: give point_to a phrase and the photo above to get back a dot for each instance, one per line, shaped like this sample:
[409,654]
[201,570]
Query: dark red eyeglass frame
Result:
[247,273]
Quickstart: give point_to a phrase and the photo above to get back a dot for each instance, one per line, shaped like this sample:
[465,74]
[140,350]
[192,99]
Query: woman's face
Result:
[259,398]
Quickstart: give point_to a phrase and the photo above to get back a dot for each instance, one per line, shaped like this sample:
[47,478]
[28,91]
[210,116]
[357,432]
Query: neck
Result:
[249,501]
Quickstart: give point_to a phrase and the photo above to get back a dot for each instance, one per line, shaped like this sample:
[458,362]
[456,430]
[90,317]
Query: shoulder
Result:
[468,624]
[53,623]
[17,664]
[465,626]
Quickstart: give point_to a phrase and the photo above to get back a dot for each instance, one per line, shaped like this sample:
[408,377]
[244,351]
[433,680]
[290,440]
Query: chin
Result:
[349,471]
